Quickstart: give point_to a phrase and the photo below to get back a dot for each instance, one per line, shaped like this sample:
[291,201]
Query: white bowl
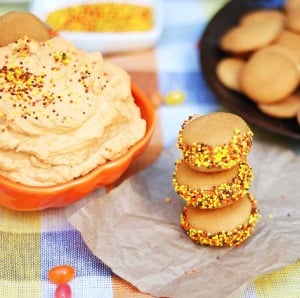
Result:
[105,42]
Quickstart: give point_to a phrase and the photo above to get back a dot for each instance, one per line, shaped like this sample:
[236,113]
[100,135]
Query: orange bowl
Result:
[29,198]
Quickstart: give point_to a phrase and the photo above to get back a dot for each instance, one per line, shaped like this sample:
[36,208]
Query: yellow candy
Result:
[174,97]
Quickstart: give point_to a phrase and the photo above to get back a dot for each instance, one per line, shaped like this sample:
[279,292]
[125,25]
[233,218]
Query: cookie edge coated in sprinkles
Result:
[232,238]
[219,157]
[219,195]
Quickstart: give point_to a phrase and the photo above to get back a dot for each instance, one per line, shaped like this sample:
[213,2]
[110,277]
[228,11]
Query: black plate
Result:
[210,54]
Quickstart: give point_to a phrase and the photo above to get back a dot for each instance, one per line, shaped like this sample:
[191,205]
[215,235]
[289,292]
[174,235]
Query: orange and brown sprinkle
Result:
[219,195]
[233,238]
[102,17]
[222,156]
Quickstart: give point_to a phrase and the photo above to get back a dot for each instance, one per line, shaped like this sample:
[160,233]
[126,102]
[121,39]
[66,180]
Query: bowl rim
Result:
[129,154]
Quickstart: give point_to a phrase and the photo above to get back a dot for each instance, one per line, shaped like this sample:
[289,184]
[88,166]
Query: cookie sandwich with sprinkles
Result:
[213,177]
[214,142]
[228,226]
[214,189]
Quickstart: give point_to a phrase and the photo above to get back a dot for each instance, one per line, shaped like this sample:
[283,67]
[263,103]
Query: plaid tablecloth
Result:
[32,243]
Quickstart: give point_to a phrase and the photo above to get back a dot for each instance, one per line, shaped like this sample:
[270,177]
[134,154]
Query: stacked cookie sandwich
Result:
[213,177]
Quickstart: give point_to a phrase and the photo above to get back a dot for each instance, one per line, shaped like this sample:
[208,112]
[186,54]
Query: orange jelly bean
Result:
[61,274]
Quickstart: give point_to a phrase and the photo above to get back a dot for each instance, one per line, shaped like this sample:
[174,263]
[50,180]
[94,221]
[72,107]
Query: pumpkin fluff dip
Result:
[214,142]
[63,112]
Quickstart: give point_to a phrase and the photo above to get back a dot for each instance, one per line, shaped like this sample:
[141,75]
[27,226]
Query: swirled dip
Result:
[63,112]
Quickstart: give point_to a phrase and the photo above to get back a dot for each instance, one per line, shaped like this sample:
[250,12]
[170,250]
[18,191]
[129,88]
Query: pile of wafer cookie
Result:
[213,177]
[262,59]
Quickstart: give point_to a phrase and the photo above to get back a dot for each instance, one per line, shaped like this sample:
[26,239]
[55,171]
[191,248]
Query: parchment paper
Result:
[135,230]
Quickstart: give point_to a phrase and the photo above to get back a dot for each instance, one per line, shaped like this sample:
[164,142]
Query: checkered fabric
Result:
[33,242]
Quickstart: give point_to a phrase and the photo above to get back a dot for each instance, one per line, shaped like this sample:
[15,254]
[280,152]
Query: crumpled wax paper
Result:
[134,229]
